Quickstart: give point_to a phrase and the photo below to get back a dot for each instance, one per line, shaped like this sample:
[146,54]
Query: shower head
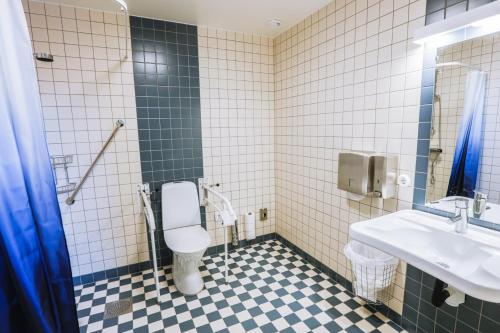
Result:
[45,57]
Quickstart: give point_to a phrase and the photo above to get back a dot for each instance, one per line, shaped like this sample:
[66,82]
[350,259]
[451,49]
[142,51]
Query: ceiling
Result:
[236,15]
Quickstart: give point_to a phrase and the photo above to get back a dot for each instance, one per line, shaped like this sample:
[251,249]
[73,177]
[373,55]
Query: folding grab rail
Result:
[145,202]
[225,211]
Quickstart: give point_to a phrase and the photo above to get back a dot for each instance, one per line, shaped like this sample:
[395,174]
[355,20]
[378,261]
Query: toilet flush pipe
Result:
[144,199]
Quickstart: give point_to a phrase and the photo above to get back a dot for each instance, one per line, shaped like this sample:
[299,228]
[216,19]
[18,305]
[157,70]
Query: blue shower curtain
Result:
[468,146]
[36,289]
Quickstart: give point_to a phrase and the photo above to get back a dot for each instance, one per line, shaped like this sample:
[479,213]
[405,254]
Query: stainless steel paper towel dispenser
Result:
[354,173]
[367,174]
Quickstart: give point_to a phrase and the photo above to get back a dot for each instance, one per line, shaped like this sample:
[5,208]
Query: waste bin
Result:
[373,272]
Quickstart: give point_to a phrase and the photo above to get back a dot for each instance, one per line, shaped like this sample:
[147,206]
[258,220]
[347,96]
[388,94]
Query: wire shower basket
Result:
[373,272]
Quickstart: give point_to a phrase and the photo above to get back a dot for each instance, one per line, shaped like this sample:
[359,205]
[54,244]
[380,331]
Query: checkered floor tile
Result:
[270,289]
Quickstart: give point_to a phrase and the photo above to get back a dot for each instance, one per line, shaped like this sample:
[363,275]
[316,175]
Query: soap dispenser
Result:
[384,175]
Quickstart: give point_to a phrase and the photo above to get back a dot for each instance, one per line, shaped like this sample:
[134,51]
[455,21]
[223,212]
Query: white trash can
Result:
[373,271]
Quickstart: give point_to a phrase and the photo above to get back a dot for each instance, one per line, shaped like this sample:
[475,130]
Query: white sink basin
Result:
[470,262]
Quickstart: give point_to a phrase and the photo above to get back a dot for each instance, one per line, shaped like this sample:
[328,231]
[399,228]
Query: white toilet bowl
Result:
[184,234]
[188,245]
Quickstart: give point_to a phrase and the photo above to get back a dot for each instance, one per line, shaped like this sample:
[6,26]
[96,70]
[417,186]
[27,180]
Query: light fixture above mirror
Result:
[474,23]
[123,4]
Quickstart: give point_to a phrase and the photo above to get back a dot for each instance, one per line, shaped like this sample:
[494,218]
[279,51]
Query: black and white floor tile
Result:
[270,289]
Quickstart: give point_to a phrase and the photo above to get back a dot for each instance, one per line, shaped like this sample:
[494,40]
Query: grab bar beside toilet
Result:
[145,203]
[205,189]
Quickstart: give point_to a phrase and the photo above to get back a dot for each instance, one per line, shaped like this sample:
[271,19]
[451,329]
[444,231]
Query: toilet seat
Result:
[188,239]
[184,235]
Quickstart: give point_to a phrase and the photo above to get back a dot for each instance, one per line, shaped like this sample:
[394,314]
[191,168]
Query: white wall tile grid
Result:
[83,92]
[347,78]
[482,53]
[237,114]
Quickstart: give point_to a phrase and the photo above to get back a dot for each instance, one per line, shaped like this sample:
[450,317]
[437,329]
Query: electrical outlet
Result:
[263,214]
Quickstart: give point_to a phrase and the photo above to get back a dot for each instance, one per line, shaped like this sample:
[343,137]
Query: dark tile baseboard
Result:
[134,268]
[389,313]
[242,243]
[316,263]
[111,273]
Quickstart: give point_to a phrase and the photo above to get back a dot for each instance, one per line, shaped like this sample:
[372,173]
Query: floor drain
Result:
[116,308]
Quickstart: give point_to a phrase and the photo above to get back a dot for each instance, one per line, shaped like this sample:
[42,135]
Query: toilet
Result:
[184,234]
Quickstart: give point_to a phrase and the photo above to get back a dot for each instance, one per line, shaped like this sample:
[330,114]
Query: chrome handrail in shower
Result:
[71,199]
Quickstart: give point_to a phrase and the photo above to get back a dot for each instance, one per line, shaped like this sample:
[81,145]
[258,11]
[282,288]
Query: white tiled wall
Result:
[275,115]
[83,92]
[347,78]
[237,114]
[483,53]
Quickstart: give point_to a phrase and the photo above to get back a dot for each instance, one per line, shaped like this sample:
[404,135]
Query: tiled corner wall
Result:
[84,91]
[347,78]
[166,75]
[237,117]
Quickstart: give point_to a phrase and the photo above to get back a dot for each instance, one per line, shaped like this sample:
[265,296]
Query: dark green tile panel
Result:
[166,75]
[419,315]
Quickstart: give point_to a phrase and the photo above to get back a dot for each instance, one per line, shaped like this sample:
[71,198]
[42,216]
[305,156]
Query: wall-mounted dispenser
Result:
[385,169]
[354,173]
[368,174]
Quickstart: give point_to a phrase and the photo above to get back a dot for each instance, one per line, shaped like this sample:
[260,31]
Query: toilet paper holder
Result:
[368,174]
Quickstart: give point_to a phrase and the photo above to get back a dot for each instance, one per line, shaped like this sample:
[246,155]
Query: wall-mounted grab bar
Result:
[71,199]
[145,202]
[226,209]
[225,202]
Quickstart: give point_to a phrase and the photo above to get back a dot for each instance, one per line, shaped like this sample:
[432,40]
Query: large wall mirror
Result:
[464,155]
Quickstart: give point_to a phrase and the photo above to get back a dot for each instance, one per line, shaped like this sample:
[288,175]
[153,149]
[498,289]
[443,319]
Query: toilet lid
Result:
[187,239]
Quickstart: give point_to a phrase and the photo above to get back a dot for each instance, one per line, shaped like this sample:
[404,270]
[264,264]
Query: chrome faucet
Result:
[461,217]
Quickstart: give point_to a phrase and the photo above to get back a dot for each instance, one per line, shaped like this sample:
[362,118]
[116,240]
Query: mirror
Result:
[464,154]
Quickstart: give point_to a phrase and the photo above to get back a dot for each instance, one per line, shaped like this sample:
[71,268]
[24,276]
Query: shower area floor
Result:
[270,289]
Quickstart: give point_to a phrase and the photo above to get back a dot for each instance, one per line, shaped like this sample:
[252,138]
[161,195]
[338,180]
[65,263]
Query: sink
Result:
[470,262]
